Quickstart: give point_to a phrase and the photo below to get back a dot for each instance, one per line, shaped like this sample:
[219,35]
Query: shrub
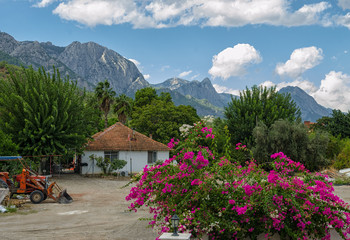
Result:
[293,140]
[227,200]
[343,158]
[106,164]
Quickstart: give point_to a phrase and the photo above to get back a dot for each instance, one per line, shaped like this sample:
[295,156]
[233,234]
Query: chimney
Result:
[150,136]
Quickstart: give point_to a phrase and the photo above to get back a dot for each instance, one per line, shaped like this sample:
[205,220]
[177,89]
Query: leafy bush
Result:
[106,164]
[292,139]
[343,158]
[227,200]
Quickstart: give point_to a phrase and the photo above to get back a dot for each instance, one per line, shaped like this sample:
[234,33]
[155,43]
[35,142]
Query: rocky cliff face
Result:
[199,90]
[310,109]
[87,63]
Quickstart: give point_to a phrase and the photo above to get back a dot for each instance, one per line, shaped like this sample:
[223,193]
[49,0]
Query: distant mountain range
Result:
[87,63]
[90,63]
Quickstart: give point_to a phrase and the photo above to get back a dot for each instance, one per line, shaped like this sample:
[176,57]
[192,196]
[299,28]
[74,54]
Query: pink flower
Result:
[273,177]
[196,182]
[241,210]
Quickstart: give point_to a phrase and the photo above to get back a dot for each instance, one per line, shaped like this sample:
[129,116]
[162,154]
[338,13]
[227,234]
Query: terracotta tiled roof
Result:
[119,137]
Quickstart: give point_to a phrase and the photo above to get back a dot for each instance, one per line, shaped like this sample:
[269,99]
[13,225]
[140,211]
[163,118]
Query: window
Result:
[111,156]
[152,157]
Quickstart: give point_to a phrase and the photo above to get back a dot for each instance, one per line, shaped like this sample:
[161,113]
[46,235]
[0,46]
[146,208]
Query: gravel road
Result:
[99,211]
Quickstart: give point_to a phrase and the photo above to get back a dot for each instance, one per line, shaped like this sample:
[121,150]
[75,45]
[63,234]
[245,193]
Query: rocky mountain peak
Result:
[88,63]
[7,43]
[310,109]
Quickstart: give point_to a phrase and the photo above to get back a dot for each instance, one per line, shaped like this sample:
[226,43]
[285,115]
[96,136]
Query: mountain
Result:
[90,63]
[310,109]
[203,90]
[203,106]
[87,63]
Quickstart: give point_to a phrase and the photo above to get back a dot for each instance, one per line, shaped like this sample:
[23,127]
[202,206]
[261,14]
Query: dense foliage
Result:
[292,139]
[105,97]
[337,125]
[8,148]
[106,164]
[43,113]
[258,104]
[342,160]
[123,107]
[226,200]
[158,116]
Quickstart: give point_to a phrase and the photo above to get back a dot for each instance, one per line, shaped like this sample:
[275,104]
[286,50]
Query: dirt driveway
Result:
[99,211]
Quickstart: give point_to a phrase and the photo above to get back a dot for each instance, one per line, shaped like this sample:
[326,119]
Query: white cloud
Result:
[137,63]
[139,66]
[170,13]
[223,89]
[195,76]
[343,20]
[344,4]
[334,91]
[307,86]
[233,61]
[104,12]
[300,60]
[184,74]
[44,3]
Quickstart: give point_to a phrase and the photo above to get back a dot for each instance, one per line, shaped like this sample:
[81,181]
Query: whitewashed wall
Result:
[136,160]
[163,155]
[91,168]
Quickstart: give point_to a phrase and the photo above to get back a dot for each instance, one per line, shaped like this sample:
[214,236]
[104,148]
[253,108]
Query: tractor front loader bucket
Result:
[56,193]
[65,197]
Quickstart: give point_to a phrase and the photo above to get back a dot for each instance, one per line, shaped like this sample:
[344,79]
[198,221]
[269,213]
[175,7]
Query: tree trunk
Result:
[106,120]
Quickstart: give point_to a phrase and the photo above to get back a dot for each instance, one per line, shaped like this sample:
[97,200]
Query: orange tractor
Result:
[29,182]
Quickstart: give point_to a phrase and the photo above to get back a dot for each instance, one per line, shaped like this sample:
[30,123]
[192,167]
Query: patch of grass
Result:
[11,209]
[342,181]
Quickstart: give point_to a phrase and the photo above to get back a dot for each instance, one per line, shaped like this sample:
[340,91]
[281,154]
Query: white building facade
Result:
[121,142]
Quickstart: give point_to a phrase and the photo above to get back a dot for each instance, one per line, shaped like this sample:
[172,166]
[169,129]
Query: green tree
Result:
[43,113]
[259,104]
[293,140]
[157,115]
[123,107]
[343,158]
[8,148]
[145,96]
[337,125]
[105,96]
[106,164]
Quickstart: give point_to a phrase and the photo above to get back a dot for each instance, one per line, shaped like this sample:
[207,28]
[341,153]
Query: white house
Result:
[120,142]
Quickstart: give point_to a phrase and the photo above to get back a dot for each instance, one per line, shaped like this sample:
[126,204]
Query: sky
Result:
[235,43]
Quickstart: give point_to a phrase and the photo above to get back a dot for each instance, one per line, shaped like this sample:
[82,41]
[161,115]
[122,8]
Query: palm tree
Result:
[123,107]
[105,96]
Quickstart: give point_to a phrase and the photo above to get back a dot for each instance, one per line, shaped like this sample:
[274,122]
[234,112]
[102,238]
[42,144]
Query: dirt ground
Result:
[99,211]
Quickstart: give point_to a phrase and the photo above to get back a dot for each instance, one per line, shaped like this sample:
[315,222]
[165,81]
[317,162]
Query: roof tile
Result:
[119,137]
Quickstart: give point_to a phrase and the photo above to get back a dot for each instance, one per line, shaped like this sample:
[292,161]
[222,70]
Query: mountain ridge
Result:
[89,63]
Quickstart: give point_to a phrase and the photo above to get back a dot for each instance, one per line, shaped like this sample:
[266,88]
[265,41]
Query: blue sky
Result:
[236,43]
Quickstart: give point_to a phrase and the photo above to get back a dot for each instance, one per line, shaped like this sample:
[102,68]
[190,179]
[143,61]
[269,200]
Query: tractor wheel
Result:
[3,184]
[36,197]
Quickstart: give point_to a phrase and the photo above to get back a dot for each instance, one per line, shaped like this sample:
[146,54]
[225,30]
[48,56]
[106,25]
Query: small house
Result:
[120,142]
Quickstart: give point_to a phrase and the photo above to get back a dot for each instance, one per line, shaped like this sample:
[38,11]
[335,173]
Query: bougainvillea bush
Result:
[220,198]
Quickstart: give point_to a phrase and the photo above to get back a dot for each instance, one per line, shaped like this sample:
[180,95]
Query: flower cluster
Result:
[226,200]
